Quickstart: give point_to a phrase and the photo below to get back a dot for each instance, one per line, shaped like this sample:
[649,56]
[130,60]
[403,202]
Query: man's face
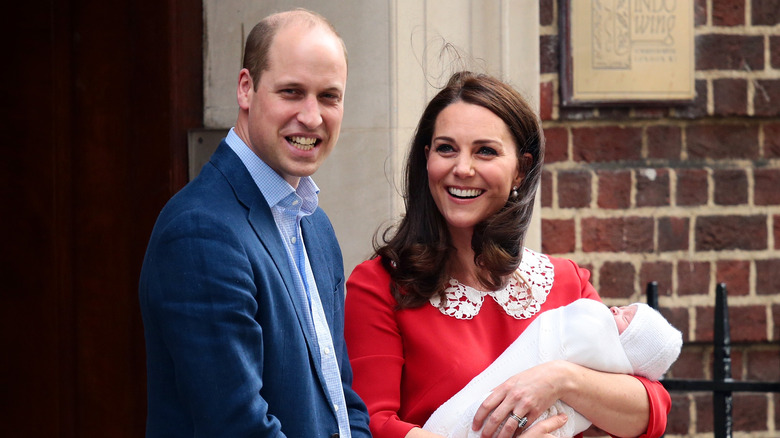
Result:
[293,118]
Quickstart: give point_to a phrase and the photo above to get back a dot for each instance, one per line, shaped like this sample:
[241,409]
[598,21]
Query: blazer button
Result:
[335,435]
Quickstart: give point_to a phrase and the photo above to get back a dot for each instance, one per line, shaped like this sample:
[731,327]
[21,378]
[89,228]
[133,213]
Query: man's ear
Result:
[245,89]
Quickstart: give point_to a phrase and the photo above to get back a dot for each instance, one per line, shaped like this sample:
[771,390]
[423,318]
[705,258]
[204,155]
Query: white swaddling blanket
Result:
[583,332]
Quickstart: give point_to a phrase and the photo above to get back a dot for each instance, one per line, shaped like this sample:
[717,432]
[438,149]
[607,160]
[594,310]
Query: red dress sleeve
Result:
[375,348]
[660,405]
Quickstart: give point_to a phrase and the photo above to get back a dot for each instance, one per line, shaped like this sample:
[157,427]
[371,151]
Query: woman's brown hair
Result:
[416,254]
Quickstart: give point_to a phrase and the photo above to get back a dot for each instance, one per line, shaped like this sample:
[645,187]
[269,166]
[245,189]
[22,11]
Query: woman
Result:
[453,287]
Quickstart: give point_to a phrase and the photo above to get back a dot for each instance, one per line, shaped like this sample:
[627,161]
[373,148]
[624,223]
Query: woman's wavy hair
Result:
[416,254]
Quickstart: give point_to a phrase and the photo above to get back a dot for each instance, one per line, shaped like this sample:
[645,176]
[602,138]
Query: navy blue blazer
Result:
[228,352]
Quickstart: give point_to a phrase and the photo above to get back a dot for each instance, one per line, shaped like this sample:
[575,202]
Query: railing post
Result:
[652,294]
[721,367]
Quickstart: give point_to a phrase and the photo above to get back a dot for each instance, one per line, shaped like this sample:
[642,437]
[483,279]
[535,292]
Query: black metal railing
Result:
[721,385]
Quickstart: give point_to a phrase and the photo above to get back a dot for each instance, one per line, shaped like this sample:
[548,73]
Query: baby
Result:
[632,339]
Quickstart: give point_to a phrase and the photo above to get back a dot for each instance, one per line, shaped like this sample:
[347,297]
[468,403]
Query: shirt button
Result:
[327,351]
[336,407]
[295,202]
[293,239]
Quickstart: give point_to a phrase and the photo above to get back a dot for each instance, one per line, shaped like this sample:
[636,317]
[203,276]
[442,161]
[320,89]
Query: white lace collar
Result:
[519,299]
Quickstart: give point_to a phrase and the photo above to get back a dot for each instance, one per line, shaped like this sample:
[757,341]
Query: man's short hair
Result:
[259,40]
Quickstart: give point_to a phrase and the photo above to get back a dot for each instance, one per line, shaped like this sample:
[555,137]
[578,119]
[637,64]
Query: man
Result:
[242,286]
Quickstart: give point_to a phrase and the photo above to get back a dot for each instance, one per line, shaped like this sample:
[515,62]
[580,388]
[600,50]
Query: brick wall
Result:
[688,196]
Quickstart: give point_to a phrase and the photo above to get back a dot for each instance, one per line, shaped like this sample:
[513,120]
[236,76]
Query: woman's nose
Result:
[463,167]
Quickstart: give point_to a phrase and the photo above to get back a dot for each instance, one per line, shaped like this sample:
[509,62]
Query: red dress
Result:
[407,363]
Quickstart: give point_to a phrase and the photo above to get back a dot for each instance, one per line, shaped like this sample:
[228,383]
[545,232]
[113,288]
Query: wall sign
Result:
[627,51]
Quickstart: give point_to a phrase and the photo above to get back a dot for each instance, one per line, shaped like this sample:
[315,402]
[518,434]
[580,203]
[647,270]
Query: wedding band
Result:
[520,420]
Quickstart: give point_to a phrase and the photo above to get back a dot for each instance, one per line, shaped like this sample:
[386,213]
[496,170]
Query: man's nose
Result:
[309,114]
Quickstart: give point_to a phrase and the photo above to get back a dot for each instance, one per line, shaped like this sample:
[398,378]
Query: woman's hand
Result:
[615,403]
[544,428]
[527,394]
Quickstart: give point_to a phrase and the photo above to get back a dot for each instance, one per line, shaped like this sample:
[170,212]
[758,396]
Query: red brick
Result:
[776,319]
[556,145]
[763,365]
[700,12]
[736,363]
[691,187]
[729,52]
[730,97]
[776,220]
[698,108]
[765,13]
[558,236]
[546,103]
[661,273]
[693,278]
[652,187]
[777,409]
[765,102]
[767,188]
[728,12]
[678,317]
[731,186]
[748,323]
[673,233]
[616,280]
[606,144]
[664,142]
[704,421]
[574,189]
[548,54]
[614,189]
[678,420]
[704,325]
[736,275]
[767,277]
[546,12]
[772,140]
[715,233]
[774,50]
[547,188]
[629,234]
[721,141]
[750,412]
[690,364]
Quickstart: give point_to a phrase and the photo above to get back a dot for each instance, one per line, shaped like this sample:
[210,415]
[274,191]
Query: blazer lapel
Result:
[262,222]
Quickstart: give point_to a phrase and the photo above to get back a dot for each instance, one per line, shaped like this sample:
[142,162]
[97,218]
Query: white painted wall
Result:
[394,68]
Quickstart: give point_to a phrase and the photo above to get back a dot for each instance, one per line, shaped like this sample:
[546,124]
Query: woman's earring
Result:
[514,192]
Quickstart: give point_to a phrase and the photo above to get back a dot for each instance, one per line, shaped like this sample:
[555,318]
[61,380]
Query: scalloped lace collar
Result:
[522,297]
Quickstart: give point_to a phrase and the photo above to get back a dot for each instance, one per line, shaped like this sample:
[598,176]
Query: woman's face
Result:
[472,165]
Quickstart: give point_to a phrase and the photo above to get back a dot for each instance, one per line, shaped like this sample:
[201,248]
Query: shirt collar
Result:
[273,187]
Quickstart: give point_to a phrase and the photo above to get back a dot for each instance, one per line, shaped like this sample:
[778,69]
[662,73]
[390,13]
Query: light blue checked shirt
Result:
[288,206]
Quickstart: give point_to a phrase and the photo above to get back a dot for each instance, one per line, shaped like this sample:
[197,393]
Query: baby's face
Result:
[623,316]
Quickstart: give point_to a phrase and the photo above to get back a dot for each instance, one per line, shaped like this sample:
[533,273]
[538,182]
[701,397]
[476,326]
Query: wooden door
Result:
[97,98]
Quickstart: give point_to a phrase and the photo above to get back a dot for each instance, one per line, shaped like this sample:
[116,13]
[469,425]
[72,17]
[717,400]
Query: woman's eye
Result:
[442,148]
[487,151]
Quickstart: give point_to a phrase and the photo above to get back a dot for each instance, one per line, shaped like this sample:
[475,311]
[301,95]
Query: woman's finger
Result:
[545,427]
